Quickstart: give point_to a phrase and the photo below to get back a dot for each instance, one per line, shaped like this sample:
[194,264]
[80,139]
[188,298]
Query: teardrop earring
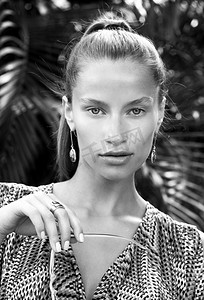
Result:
[153,155]
[72,152]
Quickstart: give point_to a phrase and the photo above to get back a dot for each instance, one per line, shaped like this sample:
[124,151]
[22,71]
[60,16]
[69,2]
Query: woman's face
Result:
[115,113]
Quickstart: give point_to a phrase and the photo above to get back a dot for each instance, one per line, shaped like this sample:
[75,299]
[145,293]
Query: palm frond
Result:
[26,119]
[30,58]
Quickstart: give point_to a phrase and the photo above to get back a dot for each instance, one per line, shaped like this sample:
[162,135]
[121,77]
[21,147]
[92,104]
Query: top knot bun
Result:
[110,22]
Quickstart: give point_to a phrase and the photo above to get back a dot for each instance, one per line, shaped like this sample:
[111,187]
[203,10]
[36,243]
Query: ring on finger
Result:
[56,205]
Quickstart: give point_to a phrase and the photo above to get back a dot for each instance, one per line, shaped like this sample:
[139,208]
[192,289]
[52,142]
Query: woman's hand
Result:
[31,215]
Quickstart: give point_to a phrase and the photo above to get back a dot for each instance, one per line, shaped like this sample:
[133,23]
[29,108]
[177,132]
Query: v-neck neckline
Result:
[126,255]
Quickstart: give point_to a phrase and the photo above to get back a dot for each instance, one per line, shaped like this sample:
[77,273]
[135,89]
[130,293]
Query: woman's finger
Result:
[76,226]
[73,220]
[40,201]
[63,221]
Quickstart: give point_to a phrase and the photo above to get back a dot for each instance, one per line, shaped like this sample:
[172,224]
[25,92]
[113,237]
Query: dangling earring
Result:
[153,153]
[72,152]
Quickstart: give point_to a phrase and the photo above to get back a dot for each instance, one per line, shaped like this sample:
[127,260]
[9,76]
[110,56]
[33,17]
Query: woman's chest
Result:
[95,257]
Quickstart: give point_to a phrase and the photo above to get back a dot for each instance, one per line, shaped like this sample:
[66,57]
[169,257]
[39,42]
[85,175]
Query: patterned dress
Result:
[170,266]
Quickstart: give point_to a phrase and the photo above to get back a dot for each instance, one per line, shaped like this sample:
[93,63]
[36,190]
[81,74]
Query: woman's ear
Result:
[67,110]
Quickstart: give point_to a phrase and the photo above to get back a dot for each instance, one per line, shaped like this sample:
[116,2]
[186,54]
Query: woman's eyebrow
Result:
[143,100]
[94,102]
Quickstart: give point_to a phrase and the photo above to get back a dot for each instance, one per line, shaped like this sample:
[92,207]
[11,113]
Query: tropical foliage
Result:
[33,35]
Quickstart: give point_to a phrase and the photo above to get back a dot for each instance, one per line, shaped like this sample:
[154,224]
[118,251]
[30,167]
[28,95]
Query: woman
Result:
[112,111]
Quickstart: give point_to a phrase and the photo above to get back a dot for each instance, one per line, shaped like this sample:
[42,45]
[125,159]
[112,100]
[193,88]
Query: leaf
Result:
[30,53]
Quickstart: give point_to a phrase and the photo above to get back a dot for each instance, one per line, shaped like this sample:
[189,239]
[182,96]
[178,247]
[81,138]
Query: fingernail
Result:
[66,245]
[58,247]
[42,235]
[81,237]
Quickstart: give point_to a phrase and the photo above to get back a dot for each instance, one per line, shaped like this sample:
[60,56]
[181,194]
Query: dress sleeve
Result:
[10,192]
[194,262]
[199,269]
[5,193]
[188,260]
[14,242]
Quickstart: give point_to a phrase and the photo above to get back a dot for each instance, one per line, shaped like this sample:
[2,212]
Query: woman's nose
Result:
[115,132]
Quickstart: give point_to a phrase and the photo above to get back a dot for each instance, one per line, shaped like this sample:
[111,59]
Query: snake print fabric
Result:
[171,267]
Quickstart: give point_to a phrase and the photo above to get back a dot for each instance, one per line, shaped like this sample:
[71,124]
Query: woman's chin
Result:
[116,175]
[111,172]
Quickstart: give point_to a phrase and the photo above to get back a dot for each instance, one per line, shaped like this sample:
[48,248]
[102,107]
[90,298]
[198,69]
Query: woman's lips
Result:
[116,153]
[116,158]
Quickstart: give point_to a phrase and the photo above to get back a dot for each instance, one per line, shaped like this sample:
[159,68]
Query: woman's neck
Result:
[103,197]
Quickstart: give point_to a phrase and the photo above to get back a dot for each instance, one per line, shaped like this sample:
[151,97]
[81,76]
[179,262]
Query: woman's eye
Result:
[136,111]
[95,111]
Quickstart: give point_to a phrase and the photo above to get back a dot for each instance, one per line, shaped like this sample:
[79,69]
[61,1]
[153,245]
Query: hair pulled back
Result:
[113,38]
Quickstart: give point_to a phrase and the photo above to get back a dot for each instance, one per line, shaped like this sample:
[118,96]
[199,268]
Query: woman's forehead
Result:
[106,65]
[119,70]
[118,75]
[110,80]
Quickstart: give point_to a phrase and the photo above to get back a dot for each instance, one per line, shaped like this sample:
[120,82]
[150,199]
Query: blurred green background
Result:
[33,34]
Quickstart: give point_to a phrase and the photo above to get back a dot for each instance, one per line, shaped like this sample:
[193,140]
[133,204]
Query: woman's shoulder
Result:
[176,247]
[181,236]
[10,191]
